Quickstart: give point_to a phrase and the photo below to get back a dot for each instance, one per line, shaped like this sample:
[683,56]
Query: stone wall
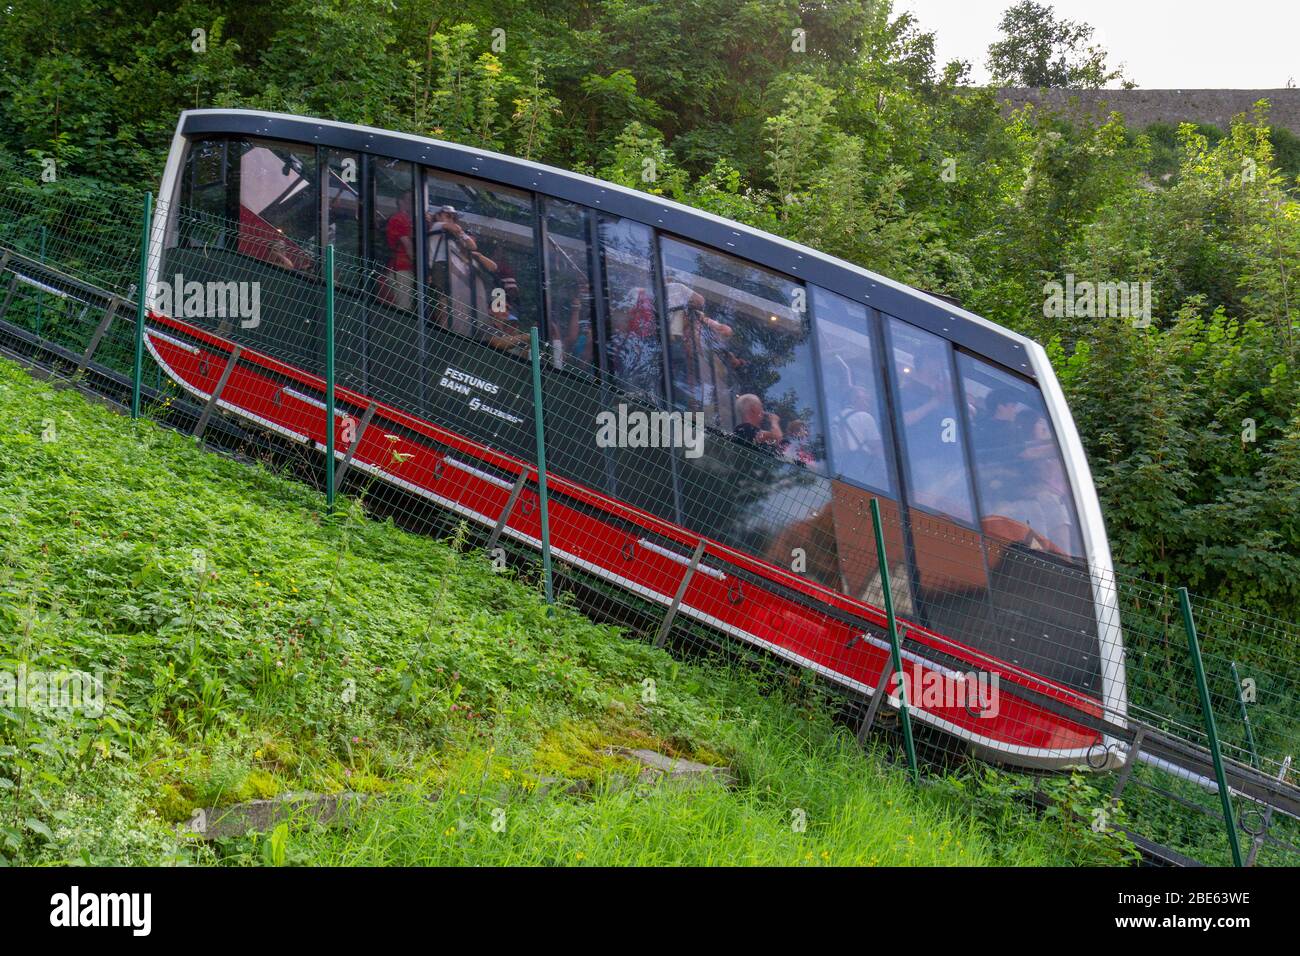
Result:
[1143,107]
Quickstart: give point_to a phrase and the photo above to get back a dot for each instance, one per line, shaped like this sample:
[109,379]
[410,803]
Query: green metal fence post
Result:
[1211,732]
[1245,716]
[894,649]
[329,377]
[142,300]
[535,353]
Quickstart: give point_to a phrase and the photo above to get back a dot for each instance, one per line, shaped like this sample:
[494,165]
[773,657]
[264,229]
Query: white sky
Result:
[1163,44]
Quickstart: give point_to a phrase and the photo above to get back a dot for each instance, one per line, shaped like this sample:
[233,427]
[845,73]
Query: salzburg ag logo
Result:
[134,910]
[209,300]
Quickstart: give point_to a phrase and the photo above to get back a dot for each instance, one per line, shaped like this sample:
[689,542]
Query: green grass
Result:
[251,645]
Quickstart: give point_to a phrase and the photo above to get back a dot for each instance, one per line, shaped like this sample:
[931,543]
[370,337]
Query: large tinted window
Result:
[279,211]
[481,257]
[926,403]
[392,231]
[1019,471]
[395,344]
[342,183]
[740,350]
[203,188]
[569,298]
[634,353]
[204,212]
[857,428]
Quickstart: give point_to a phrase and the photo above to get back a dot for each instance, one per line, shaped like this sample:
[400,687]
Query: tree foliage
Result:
[1039,49]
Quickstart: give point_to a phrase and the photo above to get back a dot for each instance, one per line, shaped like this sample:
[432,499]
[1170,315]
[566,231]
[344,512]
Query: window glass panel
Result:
[858,428]
[1019,471]
[343,184]
[740,350]
[208,164]
[481,259]
[634,354]
[392,233]
[279,215]
[343,206]
[204,197]
[568,283]
[927,406]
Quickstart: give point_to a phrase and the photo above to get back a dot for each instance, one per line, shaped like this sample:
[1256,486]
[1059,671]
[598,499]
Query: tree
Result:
[1038,49]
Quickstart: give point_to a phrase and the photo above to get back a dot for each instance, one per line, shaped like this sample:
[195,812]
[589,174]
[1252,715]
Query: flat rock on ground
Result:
[336,808]
[264,815]
[676,770]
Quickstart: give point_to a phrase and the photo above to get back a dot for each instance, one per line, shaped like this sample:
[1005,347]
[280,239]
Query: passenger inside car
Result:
[756,425]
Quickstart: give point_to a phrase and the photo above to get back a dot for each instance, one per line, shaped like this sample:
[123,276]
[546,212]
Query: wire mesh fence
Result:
[948,639]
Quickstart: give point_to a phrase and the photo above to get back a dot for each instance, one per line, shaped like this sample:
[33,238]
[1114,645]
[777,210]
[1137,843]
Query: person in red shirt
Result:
[635,353]
[399,234]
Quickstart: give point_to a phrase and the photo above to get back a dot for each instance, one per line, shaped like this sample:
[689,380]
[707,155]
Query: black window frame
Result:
[876,319]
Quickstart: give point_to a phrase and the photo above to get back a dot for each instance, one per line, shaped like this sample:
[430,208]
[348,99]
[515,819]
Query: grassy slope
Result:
[252,646]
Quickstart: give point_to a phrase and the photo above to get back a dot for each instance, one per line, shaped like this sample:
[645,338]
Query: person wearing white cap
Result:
[696,343]
[456,271]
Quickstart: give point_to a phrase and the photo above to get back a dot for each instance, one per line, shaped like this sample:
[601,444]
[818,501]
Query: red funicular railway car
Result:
[705,381]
